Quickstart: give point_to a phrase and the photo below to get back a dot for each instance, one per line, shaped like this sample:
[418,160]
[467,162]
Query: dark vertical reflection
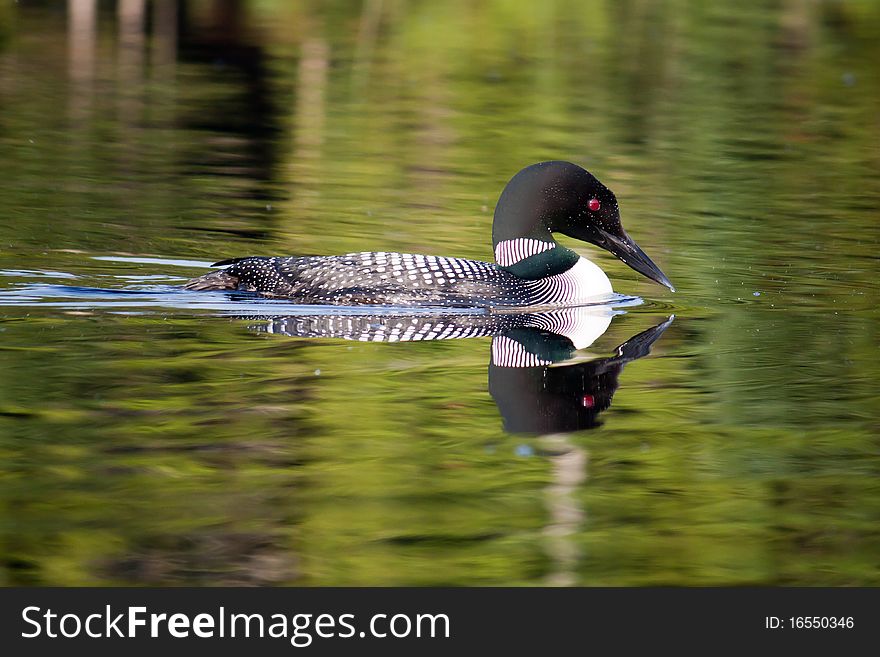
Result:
[163,100]
[164,42]
[240,121]
[131,26]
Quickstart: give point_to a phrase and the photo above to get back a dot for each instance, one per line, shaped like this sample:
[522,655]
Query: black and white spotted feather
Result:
[403,279]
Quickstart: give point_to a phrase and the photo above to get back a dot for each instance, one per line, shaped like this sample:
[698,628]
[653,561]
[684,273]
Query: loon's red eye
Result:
[594,204]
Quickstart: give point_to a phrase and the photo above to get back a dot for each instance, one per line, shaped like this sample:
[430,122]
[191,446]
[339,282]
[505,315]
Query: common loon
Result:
[530,269]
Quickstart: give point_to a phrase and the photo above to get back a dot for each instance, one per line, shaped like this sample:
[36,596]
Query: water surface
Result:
[154,436]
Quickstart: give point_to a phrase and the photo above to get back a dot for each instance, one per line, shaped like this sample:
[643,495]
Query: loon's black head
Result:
[562,197]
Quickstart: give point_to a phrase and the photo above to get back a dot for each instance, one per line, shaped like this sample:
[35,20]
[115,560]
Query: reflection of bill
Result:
[535,389]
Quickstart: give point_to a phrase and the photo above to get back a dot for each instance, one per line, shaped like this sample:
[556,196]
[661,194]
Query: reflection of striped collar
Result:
[510,353]
[509,252]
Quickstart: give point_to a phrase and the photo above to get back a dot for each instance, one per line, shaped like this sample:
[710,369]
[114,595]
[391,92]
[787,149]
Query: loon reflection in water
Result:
[535,376]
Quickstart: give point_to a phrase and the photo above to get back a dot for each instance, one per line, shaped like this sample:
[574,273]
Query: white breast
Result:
[582,283]
[589,280]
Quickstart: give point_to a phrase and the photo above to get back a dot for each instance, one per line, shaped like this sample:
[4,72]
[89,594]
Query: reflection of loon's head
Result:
[536,398]
[553,399]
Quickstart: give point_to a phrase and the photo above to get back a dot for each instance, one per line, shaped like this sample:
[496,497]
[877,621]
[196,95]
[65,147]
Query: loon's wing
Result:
[406,279]
[368,278]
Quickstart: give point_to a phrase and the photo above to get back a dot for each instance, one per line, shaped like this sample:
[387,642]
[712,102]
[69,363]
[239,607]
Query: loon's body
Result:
[530,269]
[405,279]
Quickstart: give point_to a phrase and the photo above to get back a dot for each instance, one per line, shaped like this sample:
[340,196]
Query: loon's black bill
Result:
[630,253]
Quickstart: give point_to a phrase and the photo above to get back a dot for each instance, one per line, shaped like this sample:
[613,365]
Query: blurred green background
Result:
[172,447]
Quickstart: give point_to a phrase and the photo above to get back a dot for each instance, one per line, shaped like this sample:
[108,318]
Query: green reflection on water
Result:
[742,142]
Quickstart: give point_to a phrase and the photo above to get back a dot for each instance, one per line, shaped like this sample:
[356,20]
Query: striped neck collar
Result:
[532,258]
[510,252]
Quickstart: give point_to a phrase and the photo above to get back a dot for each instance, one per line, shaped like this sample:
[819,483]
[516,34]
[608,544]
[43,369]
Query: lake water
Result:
[154,436]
